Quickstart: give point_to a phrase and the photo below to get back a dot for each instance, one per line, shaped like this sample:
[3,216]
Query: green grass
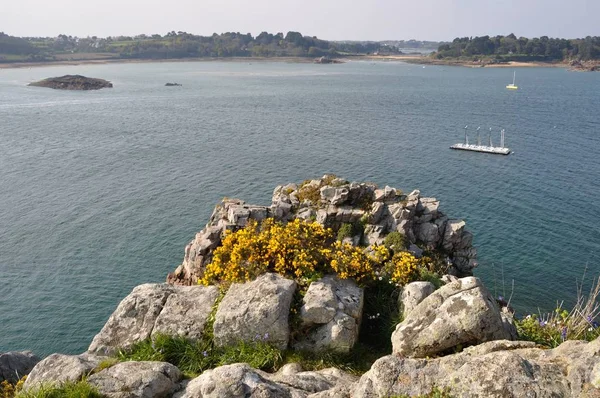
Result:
[80,389]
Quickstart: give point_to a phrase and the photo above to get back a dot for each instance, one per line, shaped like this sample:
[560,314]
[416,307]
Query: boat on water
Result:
[513,86]
[498,150]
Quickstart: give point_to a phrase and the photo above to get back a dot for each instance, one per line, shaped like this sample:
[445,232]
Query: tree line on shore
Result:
[511,48]
[184,45]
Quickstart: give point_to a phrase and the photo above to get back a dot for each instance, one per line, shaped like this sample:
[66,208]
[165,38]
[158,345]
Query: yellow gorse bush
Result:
[303,250]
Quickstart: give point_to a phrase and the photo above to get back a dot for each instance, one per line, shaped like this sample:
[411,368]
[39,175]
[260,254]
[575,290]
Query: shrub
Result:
[395,241]
[297,249]
[552,329]
[345,231]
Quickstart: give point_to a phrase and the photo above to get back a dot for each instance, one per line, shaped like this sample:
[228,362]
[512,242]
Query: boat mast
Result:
[514,76]
[478,136]
[466,137]
[502,138]
[490,136]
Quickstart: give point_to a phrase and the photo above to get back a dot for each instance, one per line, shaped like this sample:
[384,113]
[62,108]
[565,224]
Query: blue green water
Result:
[100,191]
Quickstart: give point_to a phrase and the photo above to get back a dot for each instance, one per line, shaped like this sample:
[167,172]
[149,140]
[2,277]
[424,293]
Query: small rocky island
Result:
[173,85]
[73,82]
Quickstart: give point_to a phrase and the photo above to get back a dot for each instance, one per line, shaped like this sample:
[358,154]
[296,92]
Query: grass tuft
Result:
[80,389]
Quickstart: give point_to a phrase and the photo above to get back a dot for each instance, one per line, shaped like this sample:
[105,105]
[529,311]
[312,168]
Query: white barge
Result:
[499,150]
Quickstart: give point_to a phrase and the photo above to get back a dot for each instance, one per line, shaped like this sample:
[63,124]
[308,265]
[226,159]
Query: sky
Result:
[436,20]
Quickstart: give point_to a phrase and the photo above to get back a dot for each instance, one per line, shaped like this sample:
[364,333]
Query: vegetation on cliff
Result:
[511,48]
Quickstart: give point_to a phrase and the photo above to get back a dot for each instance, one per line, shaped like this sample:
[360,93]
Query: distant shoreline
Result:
[408,58]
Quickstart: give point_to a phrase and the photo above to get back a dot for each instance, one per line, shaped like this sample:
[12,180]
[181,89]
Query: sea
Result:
[100,191]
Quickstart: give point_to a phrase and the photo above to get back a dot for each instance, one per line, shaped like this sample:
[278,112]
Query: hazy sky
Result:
[326,19]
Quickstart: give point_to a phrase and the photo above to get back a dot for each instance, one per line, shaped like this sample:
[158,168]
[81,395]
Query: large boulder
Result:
[137,380]
[233,381]
[155,308]
[258,308]
[333,308]
[14,365]
[498,369]
[186,311]
[460,313]
[241,381]
[59,368]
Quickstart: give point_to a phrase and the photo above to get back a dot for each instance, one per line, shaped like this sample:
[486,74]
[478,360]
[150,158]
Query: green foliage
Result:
[430,276]
[511,48]
[345,231]
[357,361]
[551,329]
[105,364]
[80,389]
[257,354]
[194,357]
[395,241]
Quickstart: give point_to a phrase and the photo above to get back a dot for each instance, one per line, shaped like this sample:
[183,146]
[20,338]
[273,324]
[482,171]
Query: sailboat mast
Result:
[466,137]
[490,136]
[514,76]
[478,137]
[502,138]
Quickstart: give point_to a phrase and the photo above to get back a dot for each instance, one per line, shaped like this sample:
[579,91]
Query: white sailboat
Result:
[513,86]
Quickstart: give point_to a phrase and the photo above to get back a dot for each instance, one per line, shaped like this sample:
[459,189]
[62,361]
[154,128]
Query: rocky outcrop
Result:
[73,82]
[242,381]
[152,309]
[256,310]
[461,313]
[229,215]
[14,365]
[172,85]
[333,202]
[59,368]
[498,369]
[137,380]
[332,309]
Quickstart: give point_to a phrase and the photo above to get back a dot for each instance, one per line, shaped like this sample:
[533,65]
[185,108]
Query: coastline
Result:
[106,61]
[408,58]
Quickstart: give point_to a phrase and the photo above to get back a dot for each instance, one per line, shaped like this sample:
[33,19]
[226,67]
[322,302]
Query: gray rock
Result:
[319,303]
[59,368]
[240,380]
[137,380]
[376,212]
[14,365]
[415,250]
[257,308]
[459,313]
[448,279]
[413,294]
[495,369]
[453,234]
[428,233]
[133,320]
[155,308]
[234,381]
[337,304]
[185,312]
[339,334]
[335,196]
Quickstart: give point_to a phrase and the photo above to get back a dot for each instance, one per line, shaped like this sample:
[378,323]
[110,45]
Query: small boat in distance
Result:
[513,86]
[499,150]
